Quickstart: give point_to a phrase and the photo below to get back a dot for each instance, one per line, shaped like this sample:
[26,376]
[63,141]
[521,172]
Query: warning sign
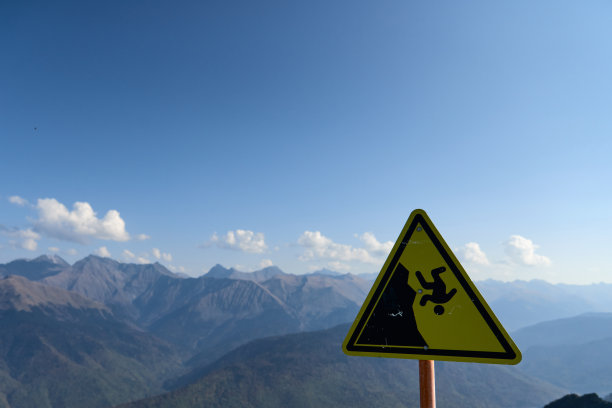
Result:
[424,306]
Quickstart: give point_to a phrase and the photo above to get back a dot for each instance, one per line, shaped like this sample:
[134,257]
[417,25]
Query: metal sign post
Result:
[427,382]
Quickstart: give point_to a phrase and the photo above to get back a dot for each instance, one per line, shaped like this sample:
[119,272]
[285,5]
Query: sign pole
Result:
[427,382]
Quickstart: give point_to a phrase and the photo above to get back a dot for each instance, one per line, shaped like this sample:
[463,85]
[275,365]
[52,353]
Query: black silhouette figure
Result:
[392,322]
[438,288]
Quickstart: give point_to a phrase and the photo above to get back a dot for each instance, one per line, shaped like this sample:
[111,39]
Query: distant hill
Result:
[35,269]
[213,315]
[261,275]
[320,301]
[310,370]
[326,272]
[523,303]
[573,353]
[579,329]
[575,401]
[370,277]
[210,316]
[581,368]
[60,349]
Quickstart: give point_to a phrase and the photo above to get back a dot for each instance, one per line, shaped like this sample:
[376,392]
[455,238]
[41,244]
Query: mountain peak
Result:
[326,272]
[219,271]
[54,259]
[273,269]
[96,260]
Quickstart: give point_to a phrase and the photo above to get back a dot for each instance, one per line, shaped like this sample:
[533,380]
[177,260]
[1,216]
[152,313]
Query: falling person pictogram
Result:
[438,288]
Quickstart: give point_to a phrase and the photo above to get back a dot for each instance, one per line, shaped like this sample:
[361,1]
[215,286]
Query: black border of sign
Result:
[509,354]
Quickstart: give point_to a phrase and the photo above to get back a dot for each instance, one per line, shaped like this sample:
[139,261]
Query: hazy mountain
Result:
[370,277]
[573,353]
[326,272]
[585,367]
[261,275]
[522,303]
[35,269]
[320,301]
[60,349]
[310,370]
[579,329]
[211,316]
[597,294]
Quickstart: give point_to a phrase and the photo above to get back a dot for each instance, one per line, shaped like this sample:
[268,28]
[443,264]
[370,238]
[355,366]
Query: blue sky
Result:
[302,134]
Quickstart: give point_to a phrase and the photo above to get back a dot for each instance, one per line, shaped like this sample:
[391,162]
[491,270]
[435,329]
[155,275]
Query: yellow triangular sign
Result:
[424,306]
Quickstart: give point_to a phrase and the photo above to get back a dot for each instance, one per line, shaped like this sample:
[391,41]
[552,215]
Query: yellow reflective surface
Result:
[423,305]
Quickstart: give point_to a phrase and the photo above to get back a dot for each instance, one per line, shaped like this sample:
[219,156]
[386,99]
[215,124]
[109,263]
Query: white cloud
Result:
[319,246]
[240,240]
[472,253]
[522,251]
[78,225]
[265,263]
[129,256]
[25,239]
[175,269]
[161,255]
[103,252]
[53,249]
[29,239]
[29,244]
[72,251]
[18,201]
[374,247]
[142,237]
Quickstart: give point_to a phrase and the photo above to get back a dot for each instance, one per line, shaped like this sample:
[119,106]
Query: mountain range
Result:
[204,316]
[125,331]
[187,321]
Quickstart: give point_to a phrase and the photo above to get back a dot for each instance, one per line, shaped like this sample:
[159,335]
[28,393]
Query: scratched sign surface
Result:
[424,306]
